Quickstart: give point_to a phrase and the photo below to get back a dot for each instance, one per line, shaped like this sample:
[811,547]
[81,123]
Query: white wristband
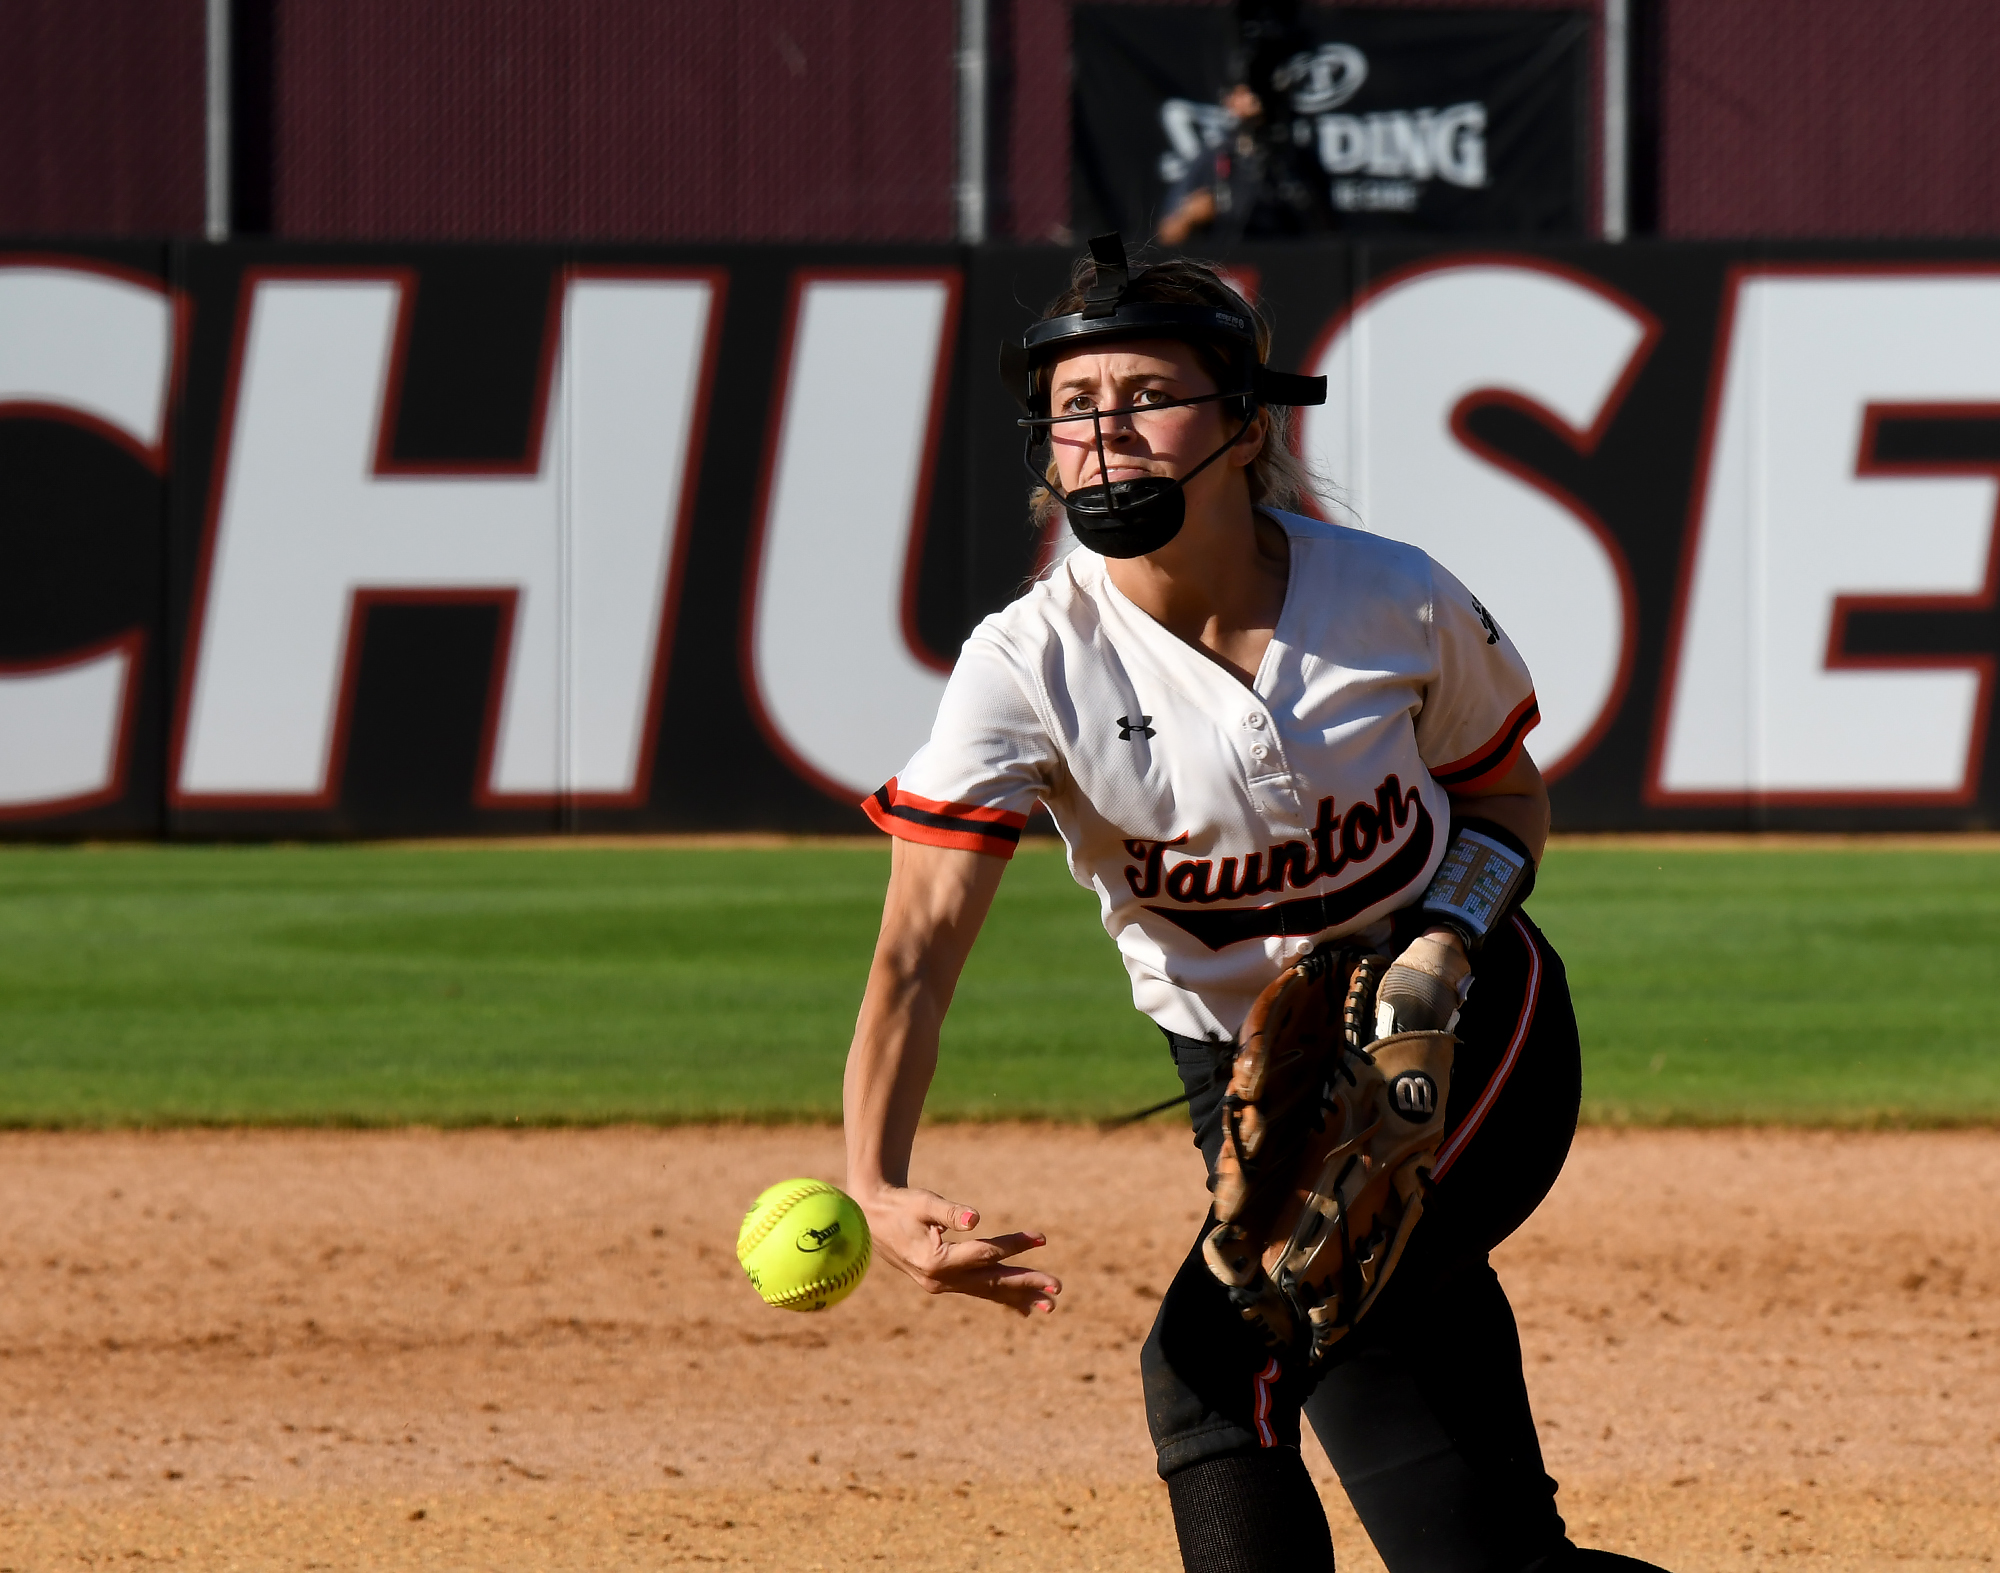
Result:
[1474,883]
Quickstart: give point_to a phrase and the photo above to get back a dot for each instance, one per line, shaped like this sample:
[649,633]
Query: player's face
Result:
[1130,377]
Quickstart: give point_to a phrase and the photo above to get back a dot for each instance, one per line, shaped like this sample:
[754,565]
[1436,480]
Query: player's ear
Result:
[1251,444]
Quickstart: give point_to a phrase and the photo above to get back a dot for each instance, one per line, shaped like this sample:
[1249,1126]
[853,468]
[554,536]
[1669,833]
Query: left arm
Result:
[1516,800]
[1477,708]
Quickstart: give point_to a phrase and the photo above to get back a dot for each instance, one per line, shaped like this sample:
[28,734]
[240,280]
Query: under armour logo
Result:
[1129,729]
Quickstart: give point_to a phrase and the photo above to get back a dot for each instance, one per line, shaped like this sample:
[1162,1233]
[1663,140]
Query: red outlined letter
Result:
[837,676]
[582,538]
[96,347]
[1411,357]
[1797,524]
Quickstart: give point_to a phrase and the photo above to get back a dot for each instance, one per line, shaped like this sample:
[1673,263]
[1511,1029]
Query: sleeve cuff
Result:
[1493,757]
[963,827]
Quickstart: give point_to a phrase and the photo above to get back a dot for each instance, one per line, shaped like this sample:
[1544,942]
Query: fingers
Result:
[1026,1299]
[910,1228]
[997,1249]
[934,1210]
[1021,1289]
[979,1268]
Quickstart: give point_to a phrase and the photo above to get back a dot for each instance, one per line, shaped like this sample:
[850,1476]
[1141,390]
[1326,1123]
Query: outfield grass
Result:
[1812,986]
[153,985]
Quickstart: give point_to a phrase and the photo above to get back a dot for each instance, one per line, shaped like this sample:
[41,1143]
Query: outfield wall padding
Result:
[331,541]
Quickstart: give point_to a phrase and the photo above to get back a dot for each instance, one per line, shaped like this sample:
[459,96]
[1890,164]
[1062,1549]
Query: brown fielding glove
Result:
[1286,1051]
[1329,1137]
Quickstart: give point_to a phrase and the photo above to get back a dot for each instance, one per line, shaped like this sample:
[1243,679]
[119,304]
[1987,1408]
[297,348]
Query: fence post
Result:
[972,50]
[1615,144]
[216,217]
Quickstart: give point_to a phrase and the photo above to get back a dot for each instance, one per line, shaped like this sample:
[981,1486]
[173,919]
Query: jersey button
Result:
[1254,722]
[1259,751]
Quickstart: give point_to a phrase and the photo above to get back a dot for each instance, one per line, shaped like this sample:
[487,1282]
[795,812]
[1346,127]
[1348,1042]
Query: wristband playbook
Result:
[1487,872]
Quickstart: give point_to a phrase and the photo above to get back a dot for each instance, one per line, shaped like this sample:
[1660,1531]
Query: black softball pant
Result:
[1422,1408]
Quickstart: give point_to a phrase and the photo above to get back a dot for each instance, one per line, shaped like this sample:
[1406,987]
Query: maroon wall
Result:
[101,105]
[632,119]
[833,119]
[1824,118]
[1030,199]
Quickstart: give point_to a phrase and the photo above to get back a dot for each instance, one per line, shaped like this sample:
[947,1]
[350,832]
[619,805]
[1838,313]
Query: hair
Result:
[1278,477]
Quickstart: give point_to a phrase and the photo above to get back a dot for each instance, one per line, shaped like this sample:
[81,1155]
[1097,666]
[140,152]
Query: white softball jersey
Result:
[1225,828]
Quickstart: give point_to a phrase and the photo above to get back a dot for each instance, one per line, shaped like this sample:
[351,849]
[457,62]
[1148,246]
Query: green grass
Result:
[1836,987]
[366,985]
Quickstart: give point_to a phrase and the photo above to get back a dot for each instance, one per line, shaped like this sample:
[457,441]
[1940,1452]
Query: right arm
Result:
[938,897]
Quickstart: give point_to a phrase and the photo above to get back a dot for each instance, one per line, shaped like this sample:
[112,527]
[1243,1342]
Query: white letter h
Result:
[578,542]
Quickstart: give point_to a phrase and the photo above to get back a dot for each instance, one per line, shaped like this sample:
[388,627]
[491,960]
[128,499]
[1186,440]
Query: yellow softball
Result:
[804,1244]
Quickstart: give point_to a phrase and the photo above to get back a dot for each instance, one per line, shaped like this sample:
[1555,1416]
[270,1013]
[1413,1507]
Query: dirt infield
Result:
[499,1351]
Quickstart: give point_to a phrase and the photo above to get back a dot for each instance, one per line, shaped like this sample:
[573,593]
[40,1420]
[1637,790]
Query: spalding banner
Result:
[343,541]
[1336,120]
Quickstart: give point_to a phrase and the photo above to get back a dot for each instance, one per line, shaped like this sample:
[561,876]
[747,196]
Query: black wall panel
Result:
[101,545]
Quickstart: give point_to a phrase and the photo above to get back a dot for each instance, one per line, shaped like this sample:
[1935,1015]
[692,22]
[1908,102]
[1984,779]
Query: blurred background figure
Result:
[1220,184]
[1253,175]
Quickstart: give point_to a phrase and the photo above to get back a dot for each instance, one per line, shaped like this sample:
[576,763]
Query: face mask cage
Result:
[1124,502]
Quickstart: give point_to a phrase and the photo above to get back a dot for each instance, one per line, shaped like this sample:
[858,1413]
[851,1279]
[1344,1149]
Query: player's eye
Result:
[1079,404]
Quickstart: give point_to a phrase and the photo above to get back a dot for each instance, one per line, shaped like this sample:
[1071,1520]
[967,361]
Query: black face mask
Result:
[1127,518]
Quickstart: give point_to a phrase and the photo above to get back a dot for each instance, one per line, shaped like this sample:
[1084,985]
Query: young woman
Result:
[1256,733]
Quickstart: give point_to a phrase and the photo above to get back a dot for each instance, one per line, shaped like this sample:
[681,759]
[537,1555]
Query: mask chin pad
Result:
[1127,518]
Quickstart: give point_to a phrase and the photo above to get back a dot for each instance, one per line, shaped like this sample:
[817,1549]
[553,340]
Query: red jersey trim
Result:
[963,827]
[1493,757]
[1260,1402]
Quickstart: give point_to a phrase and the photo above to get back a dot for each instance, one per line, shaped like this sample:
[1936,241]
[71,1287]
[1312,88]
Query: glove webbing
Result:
[1314,964]
[1358,1013]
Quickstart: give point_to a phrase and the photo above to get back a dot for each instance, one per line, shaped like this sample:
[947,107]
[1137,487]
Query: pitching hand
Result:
[910,1228]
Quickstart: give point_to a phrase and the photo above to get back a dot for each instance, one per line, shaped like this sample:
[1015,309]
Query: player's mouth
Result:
[1117,472]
